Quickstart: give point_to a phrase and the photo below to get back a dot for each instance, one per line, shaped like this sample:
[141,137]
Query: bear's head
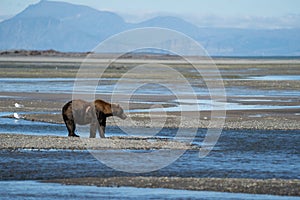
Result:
[117,110]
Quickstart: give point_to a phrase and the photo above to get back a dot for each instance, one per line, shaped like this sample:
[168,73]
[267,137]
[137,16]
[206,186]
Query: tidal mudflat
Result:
[259,144]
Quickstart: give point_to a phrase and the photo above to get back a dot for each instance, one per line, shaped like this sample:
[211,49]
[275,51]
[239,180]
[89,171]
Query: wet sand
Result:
[235,74]
[251,186]
[283,119]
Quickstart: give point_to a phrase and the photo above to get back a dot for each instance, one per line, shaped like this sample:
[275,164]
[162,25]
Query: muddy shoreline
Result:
[251,186]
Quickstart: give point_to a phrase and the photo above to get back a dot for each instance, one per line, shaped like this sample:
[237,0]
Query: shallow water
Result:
[276,78]
[11,125]
[107,85]
[20,126]
[36,190]
[207,105]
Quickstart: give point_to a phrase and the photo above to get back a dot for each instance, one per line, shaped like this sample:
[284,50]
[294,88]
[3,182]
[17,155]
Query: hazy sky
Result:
[284,13]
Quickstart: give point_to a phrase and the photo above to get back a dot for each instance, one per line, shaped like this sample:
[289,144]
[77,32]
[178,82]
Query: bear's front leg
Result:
[102,131]
[102,128]
[93,129]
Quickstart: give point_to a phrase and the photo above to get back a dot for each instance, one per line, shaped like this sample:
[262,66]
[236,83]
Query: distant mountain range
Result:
[76,28]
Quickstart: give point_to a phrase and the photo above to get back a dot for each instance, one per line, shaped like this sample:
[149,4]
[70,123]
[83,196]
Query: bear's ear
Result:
[118,105]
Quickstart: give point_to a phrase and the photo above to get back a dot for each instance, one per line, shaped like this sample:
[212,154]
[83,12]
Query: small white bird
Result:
[17,105]
[17,116]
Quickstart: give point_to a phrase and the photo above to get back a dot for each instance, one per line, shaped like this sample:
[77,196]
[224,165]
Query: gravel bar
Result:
[18,141]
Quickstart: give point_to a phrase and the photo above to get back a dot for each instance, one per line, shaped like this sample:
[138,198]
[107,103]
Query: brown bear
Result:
[93,113]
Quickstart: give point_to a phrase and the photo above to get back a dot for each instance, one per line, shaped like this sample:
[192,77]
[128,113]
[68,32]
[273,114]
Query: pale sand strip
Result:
[100,60]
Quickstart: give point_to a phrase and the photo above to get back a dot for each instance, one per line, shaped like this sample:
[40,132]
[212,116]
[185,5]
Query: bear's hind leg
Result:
[71,126]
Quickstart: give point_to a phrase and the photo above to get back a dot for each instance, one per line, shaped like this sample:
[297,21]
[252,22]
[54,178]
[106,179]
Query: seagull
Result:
[17,116]
[19,105]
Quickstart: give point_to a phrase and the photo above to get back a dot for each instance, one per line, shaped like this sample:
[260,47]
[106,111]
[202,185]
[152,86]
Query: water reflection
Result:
[275,78]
